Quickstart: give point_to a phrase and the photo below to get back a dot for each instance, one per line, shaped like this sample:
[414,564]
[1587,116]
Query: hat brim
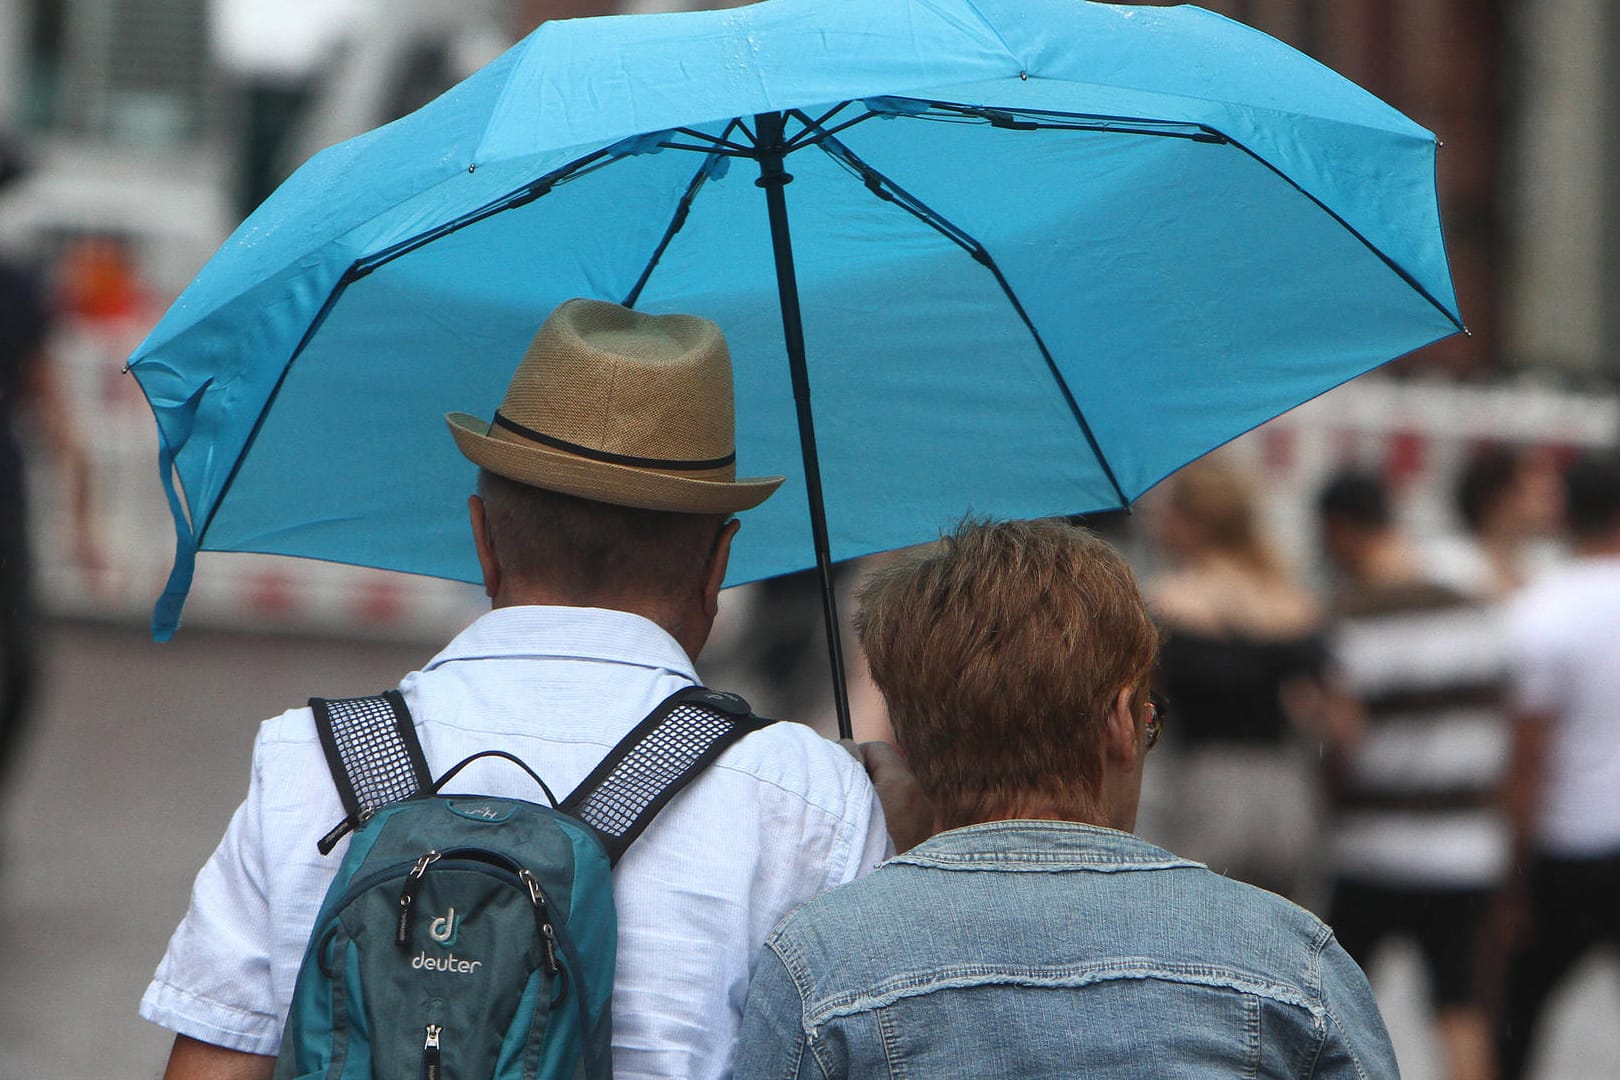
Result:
[603,481]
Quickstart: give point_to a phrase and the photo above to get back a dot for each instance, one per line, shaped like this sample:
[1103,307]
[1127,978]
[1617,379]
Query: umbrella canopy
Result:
[1046,253]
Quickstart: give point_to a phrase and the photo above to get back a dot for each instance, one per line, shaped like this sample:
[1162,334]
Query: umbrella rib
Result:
[1018,120]
[715,141]
[1395,267]
[1135,125]
[711,151]
[270,399]
[677,221]
[362,267]
[816,125]
[887,190]
[716,148]
[815,131]
[512,201]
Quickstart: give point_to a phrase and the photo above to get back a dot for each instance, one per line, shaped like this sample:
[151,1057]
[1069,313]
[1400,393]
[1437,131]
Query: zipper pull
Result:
[430,1053]
[326,843]
[343,828]
[407,896]
[549,937]
[542,918]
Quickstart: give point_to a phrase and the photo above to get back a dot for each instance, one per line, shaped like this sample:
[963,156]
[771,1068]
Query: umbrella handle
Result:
[773,178]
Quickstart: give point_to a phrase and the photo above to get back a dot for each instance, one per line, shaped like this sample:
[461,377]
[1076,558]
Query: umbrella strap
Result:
[166,612]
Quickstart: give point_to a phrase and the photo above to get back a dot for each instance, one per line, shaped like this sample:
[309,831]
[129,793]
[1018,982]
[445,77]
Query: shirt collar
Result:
[532,631]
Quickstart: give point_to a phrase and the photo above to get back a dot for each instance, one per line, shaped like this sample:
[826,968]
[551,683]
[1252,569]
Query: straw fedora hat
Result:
[620,407]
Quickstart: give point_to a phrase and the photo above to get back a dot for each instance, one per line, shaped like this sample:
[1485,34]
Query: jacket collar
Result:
[1040,846]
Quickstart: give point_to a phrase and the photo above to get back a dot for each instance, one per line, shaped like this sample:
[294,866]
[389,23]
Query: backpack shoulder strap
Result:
[659,757]
[373,754]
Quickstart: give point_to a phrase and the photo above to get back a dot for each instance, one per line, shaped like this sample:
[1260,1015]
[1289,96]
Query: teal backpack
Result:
[469,937]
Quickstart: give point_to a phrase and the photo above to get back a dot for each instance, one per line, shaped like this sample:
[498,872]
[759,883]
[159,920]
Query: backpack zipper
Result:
[407,897]
[542,911]
[430,1053]
[542,917]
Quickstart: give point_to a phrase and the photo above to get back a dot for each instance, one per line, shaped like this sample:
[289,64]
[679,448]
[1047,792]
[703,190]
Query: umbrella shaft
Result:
[773,178]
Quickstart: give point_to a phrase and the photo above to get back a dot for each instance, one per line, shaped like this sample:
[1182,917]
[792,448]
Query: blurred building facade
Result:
[1517,91]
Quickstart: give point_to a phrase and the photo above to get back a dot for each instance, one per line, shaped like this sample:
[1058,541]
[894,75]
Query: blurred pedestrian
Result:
[1564,784]
[1416,843]
[1509,501]
[1244,665]
[1035,936]
[32,408]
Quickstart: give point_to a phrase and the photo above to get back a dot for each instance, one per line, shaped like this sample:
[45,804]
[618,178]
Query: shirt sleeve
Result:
[1356,1044]
[214,983]
[772,1044]
[868,842]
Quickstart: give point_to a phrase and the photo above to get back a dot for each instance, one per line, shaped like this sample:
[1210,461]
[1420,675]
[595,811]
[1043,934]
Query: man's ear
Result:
[1122,742]
[715,576]
[488,561]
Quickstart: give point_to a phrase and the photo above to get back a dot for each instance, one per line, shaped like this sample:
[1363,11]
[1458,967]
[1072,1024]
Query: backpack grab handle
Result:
[450,773]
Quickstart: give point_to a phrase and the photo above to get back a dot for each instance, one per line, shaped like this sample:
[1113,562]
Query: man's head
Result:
[608,474]
[1592,501]
[1508,493]
[1353,511]
[1015,658]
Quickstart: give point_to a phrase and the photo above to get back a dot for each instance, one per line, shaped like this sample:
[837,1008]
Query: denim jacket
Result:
[1054,949]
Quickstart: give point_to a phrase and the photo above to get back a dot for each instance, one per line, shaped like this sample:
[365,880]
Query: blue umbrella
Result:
[1042,254]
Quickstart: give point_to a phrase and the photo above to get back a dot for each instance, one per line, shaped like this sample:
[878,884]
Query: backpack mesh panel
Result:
[364,729]
[650,767]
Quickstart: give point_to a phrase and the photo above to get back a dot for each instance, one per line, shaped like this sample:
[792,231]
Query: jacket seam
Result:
[891,1048]
[793,963]
[1256,1011]
[798,974]
[1044,865]
[971,975]
[1331,1021]
[1313,983]
[795,1065]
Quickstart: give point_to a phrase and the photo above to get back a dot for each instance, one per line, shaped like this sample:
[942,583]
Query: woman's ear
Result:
[1122,743]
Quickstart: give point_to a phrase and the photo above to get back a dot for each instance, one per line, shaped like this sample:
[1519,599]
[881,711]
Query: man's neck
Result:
[1046,810]
[661,613]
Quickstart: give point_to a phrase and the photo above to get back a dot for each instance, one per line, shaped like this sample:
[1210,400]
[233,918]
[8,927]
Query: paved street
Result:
[140,756]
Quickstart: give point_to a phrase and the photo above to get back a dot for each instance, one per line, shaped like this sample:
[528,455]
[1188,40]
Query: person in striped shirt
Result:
[1417,845]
